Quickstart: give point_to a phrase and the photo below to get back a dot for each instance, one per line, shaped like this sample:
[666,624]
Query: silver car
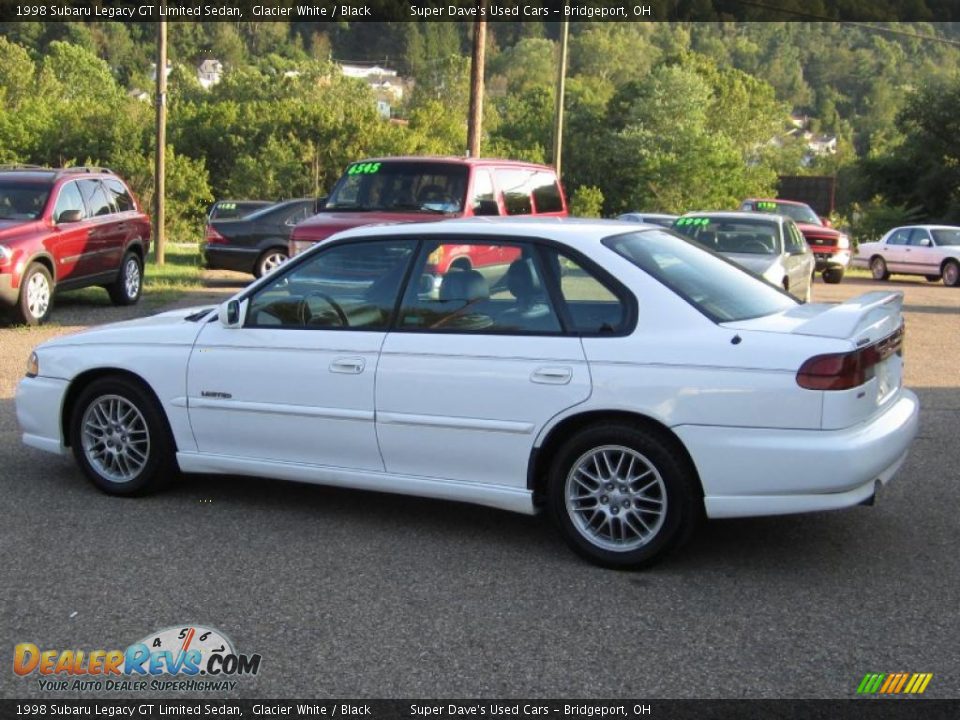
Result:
[771,246]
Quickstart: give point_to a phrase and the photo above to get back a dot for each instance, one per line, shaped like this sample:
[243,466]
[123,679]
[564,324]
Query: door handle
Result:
[348,366]
[552,375]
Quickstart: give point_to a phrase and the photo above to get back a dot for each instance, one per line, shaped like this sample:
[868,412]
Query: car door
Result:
[798,259]
[69,242]
[295,382]
[474,369]
[894,250]
[921,255]
[107,237]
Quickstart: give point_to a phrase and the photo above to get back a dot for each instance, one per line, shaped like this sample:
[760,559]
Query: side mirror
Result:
[70,216]
[322,202]
[924,242]
[486,208]
[231,313]
[826,222]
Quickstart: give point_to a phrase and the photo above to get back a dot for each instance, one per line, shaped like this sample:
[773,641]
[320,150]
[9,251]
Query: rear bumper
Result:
[218,257]
[749,472]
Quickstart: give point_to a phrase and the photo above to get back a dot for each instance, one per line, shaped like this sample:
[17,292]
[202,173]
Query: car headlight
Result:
[843,242]
[33,365]
[6,255]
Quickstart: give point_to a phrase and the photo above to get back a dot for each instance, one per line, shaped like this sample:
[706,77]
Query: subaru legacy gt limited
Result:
[618,376]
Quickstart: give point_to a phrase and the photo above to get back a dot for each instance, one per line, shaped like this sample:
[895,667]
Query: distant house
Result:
[209,72]
[388,88]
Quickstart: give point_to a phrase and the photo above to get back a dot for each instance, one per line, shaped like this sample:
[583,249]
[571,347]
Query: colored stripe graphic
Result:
[894,683]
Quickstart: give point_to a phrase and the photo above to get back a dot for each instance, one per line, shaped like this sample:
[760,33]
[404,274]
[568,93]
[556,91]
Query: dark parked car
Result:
[62,229]
[258,242]
[233,209]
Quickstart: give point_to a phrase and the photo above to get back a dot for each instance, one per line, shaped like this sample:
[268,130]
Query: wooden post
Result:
[558,106]
[475,121]
[159,184]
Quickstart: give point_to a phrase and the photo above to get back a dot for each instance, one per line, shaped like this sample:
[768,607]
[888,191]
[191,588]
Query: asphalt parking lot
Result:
[355,594]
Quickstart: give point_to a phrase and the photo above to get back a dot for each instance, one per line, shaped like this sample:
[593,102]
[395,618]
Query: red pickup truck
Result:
[418,189]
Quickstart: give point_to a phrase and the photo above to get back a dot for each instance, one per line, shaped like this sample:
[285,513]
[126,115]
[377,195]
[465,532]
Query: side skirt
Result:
[519,500]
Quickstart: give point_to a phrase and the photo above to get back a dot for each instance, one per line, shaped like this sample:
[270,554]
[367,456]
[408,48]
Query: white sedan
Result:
[618,376]
[929,250]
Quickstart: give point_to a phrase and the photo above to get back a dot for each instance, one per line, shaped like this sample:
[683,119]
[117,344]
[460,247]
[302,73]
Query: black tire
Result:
[159,465]
[878,268]
[674,482]
[128,287]
[951,273]
[270,259]
[36,295]
[832,276]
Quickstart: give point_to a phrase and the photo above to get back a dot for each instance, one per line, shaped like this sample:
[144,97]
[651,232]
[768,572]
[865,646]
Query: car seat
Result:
[532,312]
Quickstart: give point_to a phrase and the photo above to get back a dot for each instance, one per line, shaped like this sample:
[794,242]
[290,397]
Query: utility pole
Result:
[159,183]
[475,121]
[558,107]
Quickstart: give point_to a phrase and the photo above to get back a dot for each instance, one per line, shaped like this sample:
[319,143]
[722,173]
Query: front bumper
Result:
[826,260]
[39,409]
[9,295]
[749,472]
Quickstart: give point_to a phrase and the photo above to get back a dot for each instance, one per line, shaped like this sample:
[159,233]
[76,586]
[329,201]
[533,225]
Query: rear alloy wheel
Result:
[878,268]
[128,286]
[120,438]
[36,295]
[951,273]
[269,261]
[622,497]
[833,276]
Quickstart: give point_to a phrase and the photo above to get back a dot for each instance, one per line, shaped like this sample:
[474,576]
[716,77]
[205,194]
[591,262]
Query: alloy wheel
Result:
[115,437]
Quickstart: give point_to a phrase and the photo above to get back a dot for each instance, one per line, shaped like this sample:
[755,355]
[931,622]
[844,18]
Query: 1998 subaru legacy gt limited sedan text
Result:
[619,376]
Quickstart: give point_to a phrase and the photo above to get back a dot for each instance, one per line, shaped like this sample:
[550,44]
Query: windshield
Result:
[715,286]
[21,201]
[797,213]
[751,237]
[947,237]
[424,187]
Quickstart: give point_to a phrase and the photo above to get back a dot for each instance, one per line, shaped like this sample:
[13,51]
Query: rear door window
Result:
[899,237]
[98,204]
[120,195]
[546,193]
[515,188]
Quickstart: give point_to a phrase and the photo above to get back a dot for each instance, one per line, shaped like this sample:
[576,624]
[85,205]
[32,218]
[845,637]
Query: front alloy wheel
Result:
[36,295]
[120,437]
[951,274]
[623,496]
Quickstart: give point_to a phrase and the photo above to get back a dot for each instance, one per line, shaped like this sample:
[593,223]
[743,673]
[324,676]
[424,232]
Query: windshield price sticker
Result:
[766,205]
[693,221]
[363,168]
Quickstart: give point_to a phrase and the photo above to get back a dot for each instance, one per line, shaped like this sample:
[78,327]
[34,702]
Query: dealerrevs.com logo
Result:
[184,658]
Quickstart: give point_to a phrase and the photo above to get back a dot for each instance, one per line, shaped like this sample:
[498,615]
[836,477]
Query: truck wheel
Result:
[36,295]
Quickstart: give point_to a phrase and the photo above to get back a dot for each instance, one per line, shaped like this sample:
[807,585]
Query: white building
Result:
[387,86]
[209,72]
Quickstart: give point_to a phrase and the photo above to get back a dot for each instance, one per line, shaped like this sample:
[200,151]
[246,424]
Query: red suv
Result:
[67,229]
[418,189]
[831,248]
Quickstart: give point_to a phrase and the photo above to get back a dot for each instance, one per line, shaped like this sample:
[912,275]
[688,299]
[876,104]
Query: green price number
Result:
[682,222]
[766,206]
[363,169]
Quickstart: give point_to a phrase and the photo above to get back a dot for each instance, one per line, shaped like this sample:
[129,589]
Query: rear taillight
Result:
[212,237]
[842,371]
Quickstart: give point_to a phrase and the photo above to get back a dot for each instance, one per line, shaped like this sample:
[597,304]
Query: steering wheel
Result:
[304,314]
[755,246]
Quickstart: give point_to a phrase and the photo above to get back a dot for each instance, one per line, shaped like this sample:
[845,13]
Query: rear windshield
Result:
[715,286]
[231,210]
[797,213]
[22,201]
[725,235]
[417,187]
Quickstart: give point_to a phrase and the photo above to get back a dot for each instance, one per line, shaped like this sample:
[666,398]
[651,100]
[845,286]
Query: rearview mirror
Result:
[486,207]
[70,216]
[231,313]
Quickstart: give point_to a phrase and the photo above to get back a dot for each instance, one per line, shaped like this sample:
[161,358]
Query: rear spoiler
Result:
[870,316]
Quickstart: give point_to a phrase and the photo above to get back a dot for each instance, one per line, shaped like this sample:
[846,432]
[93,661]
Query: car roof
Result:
[925,227]
[50,175]
[732,215]
[649,215]
[579,233]
[455,160]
